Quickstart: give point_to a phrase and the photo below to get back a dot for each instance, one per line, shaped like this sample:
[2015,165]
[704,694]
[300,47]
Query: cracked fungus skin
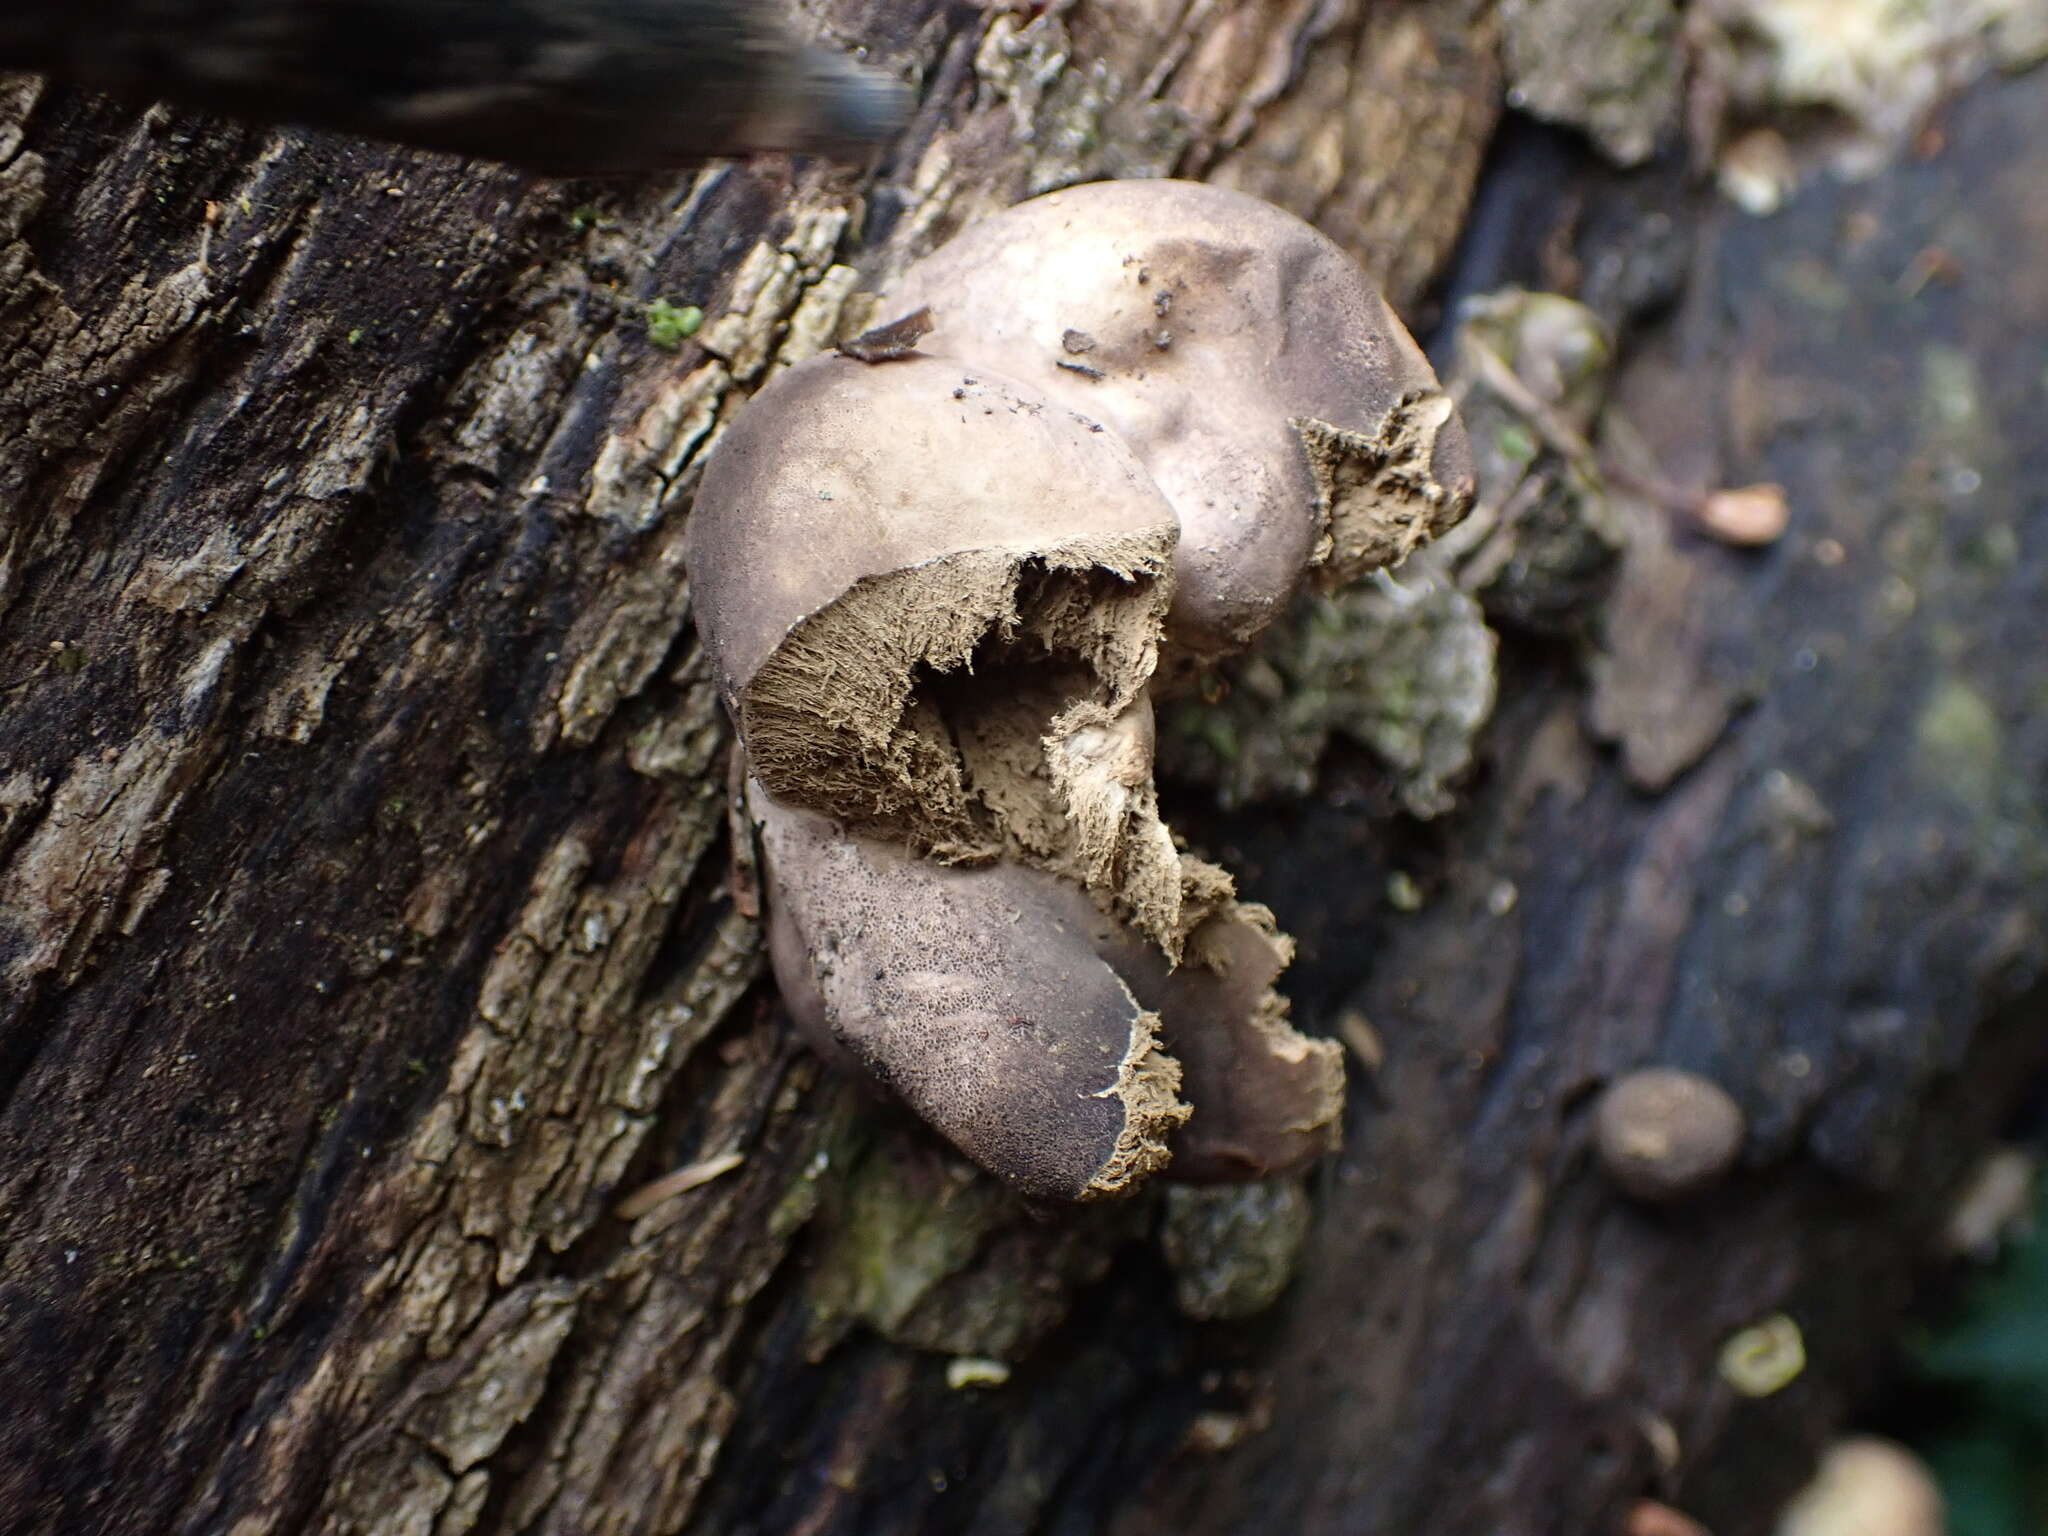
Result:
[933,601]
[939,593]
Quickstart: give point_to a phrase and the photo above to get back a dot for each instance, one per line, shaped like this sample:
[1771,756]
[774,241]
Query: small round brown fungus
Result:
[1664,1134]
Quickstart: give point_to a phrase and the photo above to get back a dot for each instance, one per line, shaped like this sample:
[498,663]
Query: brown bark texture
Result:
[366,923]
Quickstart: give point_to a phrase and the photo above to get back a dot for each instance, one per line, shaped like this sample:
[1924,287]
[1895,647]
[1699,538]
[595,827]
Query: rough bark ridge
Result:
[363,906]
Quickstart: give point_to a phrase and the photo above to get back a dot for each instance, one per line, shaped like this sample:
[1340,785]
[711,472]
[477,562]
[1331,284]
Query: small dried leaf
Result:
[892,342]
[1749,515]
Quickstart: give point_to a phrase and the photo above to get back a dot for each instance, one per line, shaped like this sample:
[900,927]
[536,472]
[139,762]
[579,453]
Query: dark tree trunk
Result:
[364,925]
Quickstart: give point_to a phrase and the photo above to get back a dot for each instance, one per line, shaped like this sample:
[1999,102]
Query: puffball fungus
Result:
[1260,379]
[1665,1135]
[938,597]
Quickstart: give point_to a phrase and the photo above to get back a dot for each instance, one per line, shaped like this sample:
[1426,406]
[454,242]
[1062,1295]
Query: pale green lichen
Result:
[903,1218]
[1880,63]
[928,1252]
[669,325]
[1233,1249]
[1612,68]
[1023,1283]
[1854,80]
[1406,672]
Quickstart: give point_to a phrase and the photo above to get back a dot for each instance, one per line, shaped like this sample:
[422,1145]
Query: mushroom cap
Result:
[869,540]
[1664,1134]
[1244,358]
[975,995]
[841,473]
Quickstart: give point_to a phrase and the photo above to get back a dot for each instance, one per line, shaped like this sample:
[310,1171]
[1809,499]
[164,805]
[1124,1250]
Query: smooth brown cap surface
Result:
[840,473]
[1217,335]
[1664,1134]
[975,996]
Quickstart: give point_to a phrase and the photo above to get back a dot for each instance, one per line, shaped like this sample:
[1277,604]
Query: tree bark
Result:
[365,915]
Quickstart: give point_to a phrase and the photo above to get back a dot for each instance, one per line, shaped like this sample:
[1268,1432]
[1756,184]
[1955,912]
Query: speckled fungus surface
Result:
[940,584]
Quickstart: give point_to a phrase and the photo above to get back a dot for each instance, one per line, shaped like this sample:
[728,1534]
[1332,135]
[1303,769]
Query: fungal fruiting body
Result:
[1665,1135]
[1243,357]
[940,584]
